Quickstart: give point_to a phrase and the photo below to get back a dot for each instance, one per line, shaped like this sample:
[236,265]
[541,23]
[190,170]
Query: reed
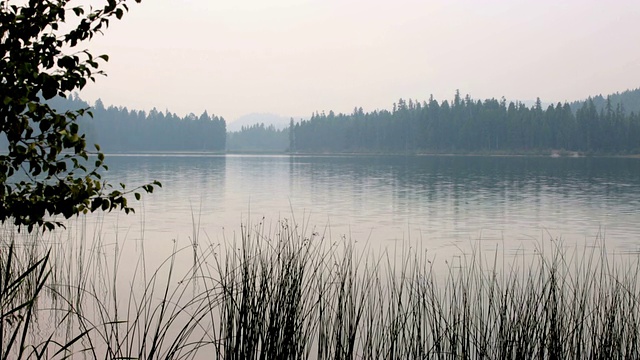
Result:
[292,293]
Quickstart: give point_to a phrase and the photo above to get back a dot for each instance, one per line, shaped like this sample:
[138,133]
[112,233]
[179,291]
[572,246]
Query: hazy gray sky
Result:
[294,57]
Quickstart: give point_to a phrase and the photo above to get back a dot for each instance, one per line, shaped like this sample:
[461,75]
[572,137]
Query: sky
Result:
[296,57]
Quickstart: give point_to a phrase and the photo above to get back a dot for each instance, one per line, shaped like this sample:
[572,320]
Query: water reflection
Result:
[191,185]
[454,199]
[435,202]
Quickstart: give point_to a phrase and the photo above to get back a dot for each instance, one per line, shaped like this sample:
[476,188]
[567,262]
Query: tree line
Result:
[467,125]
[599,125]
[118,129]
[258,138]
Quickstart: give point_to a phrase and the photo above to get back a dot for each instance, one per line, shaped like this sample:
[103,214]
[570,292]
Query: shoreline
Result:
[550,154]
[573,154]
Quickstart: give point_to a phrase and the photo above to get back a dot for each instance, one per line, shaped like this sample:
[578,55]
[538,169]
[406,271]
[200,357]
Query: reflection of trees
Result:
[418,181]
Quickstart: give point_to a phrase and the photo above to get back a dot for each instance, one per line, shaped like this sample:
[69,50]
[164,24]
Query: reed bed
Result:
[290,293]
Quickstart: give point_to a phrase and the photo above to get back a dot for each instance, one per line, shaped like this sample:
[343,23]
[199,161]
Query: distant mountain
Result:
[630,100]
[278,121]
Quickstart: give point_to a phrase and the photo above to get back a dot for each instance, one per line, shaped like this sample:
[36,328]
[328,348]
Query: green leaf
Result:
[49,87]
[95,204]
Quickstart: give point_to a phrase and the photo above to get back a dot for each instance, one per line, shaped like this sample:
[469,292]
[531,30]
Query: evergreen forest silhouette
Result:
[597,126]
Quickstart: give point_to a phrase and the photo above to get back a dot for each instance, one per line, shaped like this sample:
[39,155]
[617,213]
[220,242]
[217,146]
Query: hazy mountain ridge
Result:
[630,100]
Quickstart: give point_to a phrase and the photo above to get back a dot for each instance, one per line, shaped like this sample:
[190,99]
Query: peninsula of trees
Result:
[118,129]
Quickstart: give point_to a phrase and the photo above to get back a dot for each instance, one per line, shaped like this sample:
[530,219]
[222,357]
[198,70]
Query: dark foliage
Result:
[45,168]
[467,125]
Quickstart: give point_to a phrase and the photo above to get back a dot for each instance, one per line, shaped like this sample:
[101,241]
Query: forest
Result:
[465,125]
[258,138]
[599,125]
[118,129]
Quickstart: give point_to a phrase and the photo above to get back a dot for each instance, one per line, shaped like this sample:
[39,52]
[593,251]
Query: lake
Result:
[446,207]
[438,203]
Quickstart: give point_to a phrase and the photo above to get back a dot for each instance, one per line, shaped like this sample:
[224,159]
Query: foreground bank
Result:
[289,294]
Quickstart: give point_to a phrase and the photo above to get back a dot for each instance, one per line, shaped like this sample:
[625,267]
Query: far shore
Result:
[552,154]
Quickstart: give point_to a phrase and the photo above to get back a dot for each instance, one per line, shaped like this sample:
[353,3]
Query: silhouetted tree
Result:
[46,171]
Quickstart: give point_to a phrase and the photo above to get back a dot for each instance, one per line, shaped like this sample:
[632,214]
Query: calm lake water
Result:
[447,206]
[442,204]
